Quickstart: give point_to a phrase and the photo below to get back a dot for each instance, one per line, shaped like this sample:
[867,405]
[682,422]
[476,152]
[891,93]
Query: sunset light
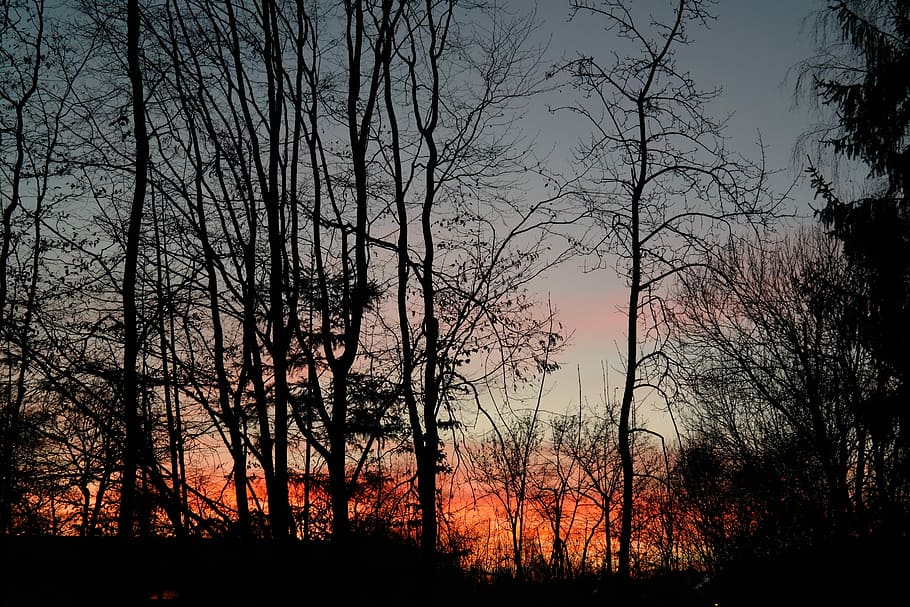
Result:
[454,302]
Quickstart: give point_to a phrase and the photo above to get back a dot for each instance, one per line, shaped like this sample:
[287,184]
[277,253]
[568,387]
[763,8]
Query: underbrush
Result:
[379,572]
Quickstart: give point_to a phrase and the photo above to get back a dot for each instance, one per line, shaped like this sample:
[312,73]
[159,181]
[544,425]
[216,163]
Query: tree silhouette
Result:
[659,183]
[858,80]
[466,245]
[777,374]
[133,439]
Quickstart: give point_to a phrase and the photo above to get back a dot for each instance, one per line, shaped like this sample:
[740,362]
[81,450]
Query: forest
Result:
[274,315]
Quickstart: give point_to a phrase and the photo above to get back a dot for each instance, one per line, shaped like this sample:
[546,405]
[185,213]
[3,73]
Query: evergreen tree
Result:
[865,84]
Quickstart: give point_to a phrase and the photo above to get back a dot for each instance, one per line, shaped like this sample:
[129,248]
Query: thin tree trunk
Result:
[279,506]
[9,420]
[231,415]
[178,507]
[133,440]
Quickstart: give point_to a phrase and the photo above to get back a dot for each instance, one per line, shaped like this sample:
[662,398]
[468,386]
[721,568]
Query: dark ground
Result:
[107,571]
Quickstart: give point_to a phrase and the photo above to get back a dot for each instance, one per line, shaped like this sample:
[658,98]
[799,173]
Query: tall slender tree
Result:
[131,406]
[461,275]
[16,90]
[660,183]
[36,90]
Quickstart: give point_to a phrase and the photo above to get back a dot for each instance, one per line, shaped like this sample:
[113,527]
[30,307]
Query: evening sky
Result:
[750,50]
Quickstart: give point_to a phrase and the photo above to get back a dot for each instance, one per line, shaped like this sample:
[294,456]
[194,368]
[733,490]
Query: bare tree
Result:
[500,464]
[597,457]
[660,183]
[42,64]
[29,131]
[133,439]
[505,460]
[557,491]
[777,373]
[465,250]
[285,171]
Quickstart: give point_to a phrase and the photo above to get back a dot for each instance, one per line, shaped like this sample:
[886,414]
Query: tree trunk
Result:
[133,442]
[279,506]
[12,409]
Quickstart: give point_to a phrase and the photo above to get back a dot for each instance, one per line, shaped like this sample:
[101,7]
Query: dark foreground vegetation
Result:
[197,573]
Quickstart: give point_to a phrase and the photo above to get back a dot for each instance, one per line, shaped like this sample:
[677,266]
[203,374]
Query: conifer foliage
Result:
[864,84]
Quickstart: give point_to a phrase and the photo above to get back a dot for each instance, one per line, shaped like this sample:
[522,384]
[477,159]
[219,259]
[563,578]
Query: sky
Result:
[749,51]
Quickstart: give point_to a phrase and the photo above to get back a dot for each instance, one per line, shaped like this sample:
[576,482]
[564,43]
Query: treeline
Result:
[266,265]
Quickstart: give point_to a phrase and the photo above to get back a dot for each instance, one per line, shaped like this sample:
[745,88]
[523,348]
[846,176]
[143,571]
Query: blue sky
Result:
[748,51]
